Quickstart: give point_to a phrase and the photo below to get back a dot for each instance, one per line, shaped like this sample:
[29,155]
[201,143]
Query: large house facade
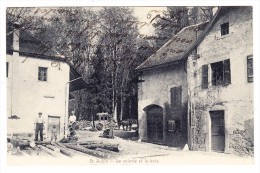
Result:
[205,90]
[39,79]
[220,84]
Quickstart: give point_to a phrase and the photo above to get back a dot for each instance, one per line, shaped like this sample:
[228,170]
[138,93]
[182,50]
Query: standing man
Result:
[39,126]
[72,123]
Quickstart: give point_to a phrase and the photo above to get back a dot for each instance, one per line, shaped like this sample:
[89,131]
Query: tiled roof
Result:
[174,49]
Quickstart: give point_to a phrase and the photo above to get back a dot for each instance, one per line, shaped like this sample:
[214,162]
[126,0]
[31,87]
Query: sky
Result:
[142,12]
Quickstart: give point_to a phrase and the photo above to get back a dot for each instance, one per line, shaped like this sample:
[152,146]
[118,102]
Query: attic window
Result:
[224,29]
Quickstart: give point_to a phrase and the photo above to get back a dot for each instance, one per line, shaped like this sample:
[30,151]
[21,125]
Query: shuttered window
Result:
[227,76]
[176,97]
[221,74]
[205,76]
[250,68]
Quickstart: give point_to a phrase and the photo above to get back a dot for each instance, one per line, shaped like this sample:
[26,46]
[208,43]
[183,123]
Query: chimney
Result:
[16,35]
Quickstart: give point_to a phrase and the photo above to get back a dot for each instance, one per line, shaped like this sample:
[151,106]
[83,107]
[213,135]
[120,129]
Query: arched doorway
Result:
[154,123]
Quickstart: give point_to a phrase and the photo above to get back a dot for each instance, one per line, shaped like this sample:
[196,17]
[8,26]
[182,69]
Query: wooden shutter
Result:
[204,76]
[7,68]
[226,70]
[250,68]
[176,94]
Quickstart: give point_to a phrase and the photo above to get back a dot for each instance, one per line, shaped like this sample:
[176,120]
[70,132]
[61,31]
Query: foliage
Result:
[176,18]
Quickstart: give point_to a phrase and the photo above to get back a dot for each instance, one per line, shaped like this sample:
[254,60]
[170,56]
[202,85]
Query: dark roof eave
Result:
[41,56]
[78,85]
[160,65]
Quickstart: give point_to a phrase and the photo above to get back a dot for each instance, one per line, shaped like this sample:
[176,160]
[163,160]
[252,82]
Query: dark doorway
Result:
[155,124]
[217,131]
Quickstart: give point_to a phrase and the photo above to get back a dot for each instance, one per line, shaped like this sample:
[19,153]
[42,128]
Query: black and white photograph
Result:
[129,85]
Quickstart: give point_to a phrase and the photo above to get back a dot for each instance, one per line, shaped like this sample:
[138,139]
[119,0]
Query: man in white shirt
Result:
[72,124]
[39,125]
[72,117]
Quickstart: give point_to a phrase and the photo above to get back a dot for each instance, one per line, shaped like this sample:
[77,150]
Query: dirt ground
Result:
[135,152]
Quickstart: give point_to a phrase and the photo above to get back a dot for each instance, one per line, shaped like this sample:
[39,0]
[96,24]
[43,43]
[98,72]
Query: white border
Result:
[123,168]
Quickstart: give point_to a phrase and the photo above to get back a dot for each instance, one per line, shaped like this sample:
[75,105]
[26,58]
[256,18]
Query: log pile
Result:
[83,124]
[88,151]
[53,149]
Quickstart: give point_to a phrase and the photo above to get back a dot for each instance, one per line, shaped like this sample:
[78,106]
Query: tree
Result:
[119,42]
[176,18]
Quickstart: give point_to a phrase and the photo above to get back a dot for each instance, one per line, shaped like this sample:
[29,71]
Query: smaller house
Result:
[163,94]
[39,79]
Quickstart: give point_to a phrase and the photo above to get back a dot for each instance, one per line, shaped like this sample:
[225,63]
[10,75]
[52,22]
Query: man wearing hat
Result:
[39,125]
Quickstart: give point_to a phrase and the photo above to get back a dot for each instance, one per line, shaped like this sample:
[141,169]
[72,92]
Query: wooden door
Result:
[53,120]
[155,124]
[217,131]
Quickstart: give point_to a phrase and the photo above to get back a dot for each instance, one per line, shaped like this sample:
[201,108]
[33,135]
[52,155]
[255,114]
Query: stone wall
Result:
[236,99]
[155,90]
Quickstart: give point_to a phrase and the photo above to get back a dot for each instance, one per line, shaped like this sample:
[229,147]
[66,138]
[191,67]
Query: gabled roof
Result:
[30,45]
[221,11]
[174,49]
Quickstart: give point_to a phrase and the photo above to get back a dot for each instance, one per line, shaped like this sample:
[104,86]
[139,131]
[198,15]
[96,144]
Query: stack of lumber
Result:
[87,148]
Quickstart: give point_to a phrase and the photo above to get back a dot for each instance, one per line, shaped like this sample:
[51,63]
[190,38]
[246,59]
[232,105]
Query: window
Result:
[250,68]
[224,28]
[42,74]
[221,73]
[7,68]
[173,125]
[205,76]
[176,97]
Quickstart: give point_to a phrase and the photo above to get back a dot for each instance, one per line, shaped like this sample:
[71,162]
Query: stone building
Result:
[163,92]
[198,88]
[38,79]
[220,84]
